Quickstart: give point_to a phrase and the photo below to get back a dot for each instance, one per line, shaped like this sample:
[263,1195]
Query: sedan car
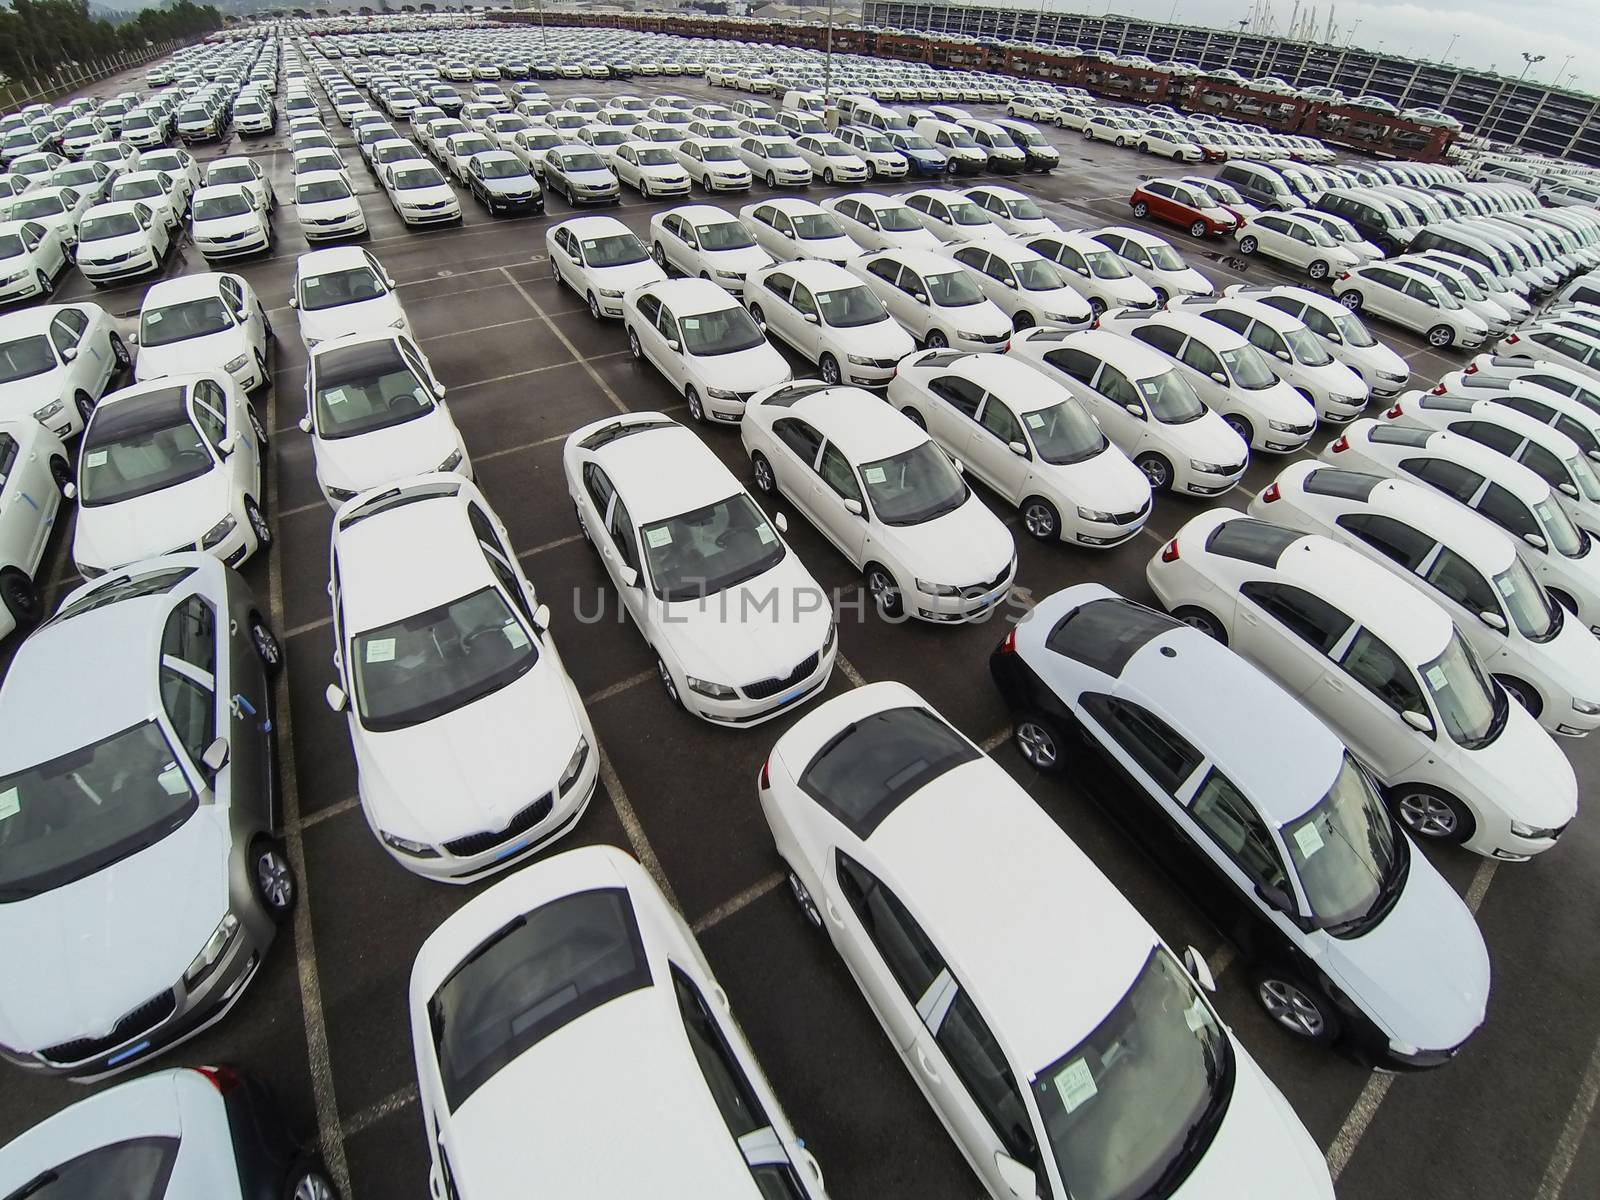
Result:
[936,299]
[1023,284]
[171,877]
[528,1002]
[242,172]
[878,222]
[1341,332]
[831,318]
[446,666]
[707,241]
[787,228]
[1180,203]
[1353,938]
[1098,273]
[226,222]
[166,195]
[951,217]
[579,175]
[1154,261]
[739,629]
[909,848]
[600,259]
[502,183]
[1411,300]
[326,206]
[33,258]
[204,322]
[54,208]
[56,361]
[714,165]
[34,472]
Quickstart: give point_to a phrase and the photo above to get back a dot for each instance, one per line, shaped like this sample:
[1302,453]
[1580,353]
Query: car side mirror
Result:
[1273,897]
[226,446]
[788,233]
[1493,620]
[305,423]
[872,225]
[811,318]
[215,756]
[1020,449]
[438,390]
[1421,722]
[1568,489]
[336,698]
[1594,455]
[1019,1179]
[1010,283]
[630,577]
[70,353]
[69,490]
[673,344]
[1219,377]
[1199,970]
[1136,409]
[853,506]
[782,522]
[1282,355]
[294,302]
[1534,540]
[920,297]
[541,618]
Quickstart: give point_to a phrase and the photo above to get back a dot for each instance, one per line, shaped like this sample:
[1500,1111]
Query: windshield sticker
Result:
[514,635]
[313,282]
[1437,679]
[1507,588]
[10,805]
[97,458]
[1308,840]
[1035,420]
[874,474]
[172,781]
[766,535]
[690,324]
[1075,1084]
[1196,1017]
[380,650]
[335,396]
[657,538]
[154,318]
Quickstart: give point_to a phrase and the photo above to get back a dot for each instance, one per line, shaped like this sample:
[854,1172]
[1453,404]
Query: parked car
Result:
[1411,300]
[34,473]
[787,228]
[204,322]
[600,259]
[56,361]
[1099,273]
[935,298]
[1180,203]
[33,259]
[1341,332]
[831,318]
[227,222]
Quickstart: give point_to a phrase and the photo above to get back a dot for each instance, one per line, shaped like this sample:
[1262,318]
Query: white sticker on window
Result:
[657,538]
[1035,420]
[314,282]
[335,396]
[514,634]
[97,458]
[172,781]
[154,318]
[1505,585]
[690,324]
[1308,839]
[1437,679]
[1075,1084]
[873,474]
[766,535]
[380,650]
[10,805]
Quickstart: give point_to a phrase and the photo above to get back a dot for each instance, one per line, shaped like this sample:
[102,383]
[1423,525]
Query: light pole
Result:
[1527,62]
[1453,38]
[827,63]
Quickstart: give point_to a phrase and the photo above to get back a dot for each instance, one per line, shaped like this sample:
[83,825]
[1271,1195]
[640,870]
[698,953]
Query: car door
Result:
[208,405]
[806,321]
[197,702]
[884,275]
[32,503]
[566,258]
[835,491]
[798,445]
[1288,632]
[1387,298]
[953,416]
[648,331]
[988,272]
[1363,697]
[619,549]
[672,361]
[89,368]
[992,450]
[248,312]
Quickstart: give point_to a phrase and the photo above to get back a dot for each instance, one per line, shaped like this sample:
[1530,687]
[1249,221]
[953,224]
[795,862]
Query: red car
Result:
[1180,203]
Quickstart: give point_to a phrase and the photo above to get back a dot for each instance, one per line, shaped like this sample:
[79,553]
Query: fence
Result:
[72,77]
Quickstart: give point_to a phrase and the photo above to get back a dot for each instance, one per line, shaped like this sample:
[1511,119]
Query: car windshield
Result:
[1165,257]
[230,173]
[849,307]
[1171,398]
[10,245]
[915,141]
[502,168]
[1583,474]
[724,235]
[424,175]
[1307,348]
[100,226]
[956,289]
[1249,369]
[212,208]
[727,331]
[1353,331]
[350,286]
[541,141]
[179,322]
[1065,433]
[1472,709]
[613,250]
[1536,616]
[655,156]
[837,150]
[31,207]
[1224,192]
[1346,852]
[437,661]
[1130,1110]
[711,549]
[137,189]
[875,143]
[25,358]
[1559,530]
[964,212]
[582,160]
[961,139]
[77,814]
[914,486]
[74,177]
[1037,275]
[320,190]
[717,152]
[1103,264]
[139,446]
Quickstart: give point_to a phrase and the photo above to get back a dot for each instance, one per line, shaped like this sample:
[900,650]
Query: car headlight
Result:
[18,277]
[1283,427]
[235,364]
[861,360]
[608,293]
[1093,514]
[217,532]
[48,411]
[1587,707]
[1207,468]
[717,691]
[407,846]
[937,589]
[971,337]
[451,463]
[574,767]
[211,953]
[397,323]
[721,274]
[722,393]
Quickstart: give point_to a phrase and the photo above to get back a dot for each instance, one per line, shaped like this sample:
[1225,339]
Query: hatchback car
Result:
[878,222]
[56,361]
[935,298]
[829,317]
[1411,300]
[601,260]
[1023,284]
[1298,241]
[33,260]
[579,175]
[326,206]
[1097,272]
[204,322]
[707,241]
[1179,203]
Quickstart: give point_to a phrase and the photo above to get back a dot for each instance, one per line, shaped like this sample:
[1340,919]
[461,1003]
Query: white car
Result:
[1467,566]
[830,318]
[831,160]
[715,166]
[472,746]
[531,145]
[377,415]
[1385,669]
[1153,260]
[1340,331]
[1342,232]
[650,169]
[119,156]
[1170,141]
[1146,405]
[56,361]
[1566,399]
[226,222]
[1564,346]
[908,847]
[788,228]
[458,150]
[1230,374]
[245,173]
[91,180]
[177,162]
[1413,301]
[739,629]
[166,195]
[951,217]
[33,258]
[875,221]
[204,322]
[1016,213]
[707,241]
[887,497]
[878,152]
[600,259]
[704,343]
[34,471]
[419,193]
[119,240]
[936,299]
[1032,108]
[54,208]
[561,1026]
[326,206]
[171,464]
[344,290]
[1023,284]
[1495,315]
[1298,241]
[1030,440]
[1099,274]
[776,161]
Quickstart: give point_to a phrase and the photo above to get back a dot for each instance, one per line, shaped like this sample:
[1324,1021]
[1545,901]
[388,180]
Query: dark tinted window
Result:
[1506,511]
[906,950]
[1307,616]
[1450,478]
[735,1099]
[1075,363]
[869,767]
[1348,485]
[1399,435]
[976,1057]
[1382,672]
[776,1181]
[533,976]
[799,437]
[1496,437]
[1166,340]
[1461,581]
[1154,745]
[961,394]
[1398,541]
[1105,634]
[1233,823]
[1236,321]
[132,1170]
[1252,541]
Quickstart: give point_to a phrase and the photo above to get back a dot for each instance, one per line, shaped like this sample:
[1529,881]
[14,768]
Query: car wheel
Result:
[914,417]
[44,284]
[21,598]
[1039,743]
[1097,307]
[1141,209]
[1161,296]
[1295,1006]
[594,306]
[1040,519]
[1441,336]
[1240,426]
[1350,299]
[936,340]
[261,367]
[309,1183]
[1523,694]
[1430,814]
[258,523]
[1318,270]
[1199,618]
[755,314]
[658,253]
[119,351]
[633,344]
[272,878]
[1248,245]
[260,430]
[766,481]
[828,366]
[61,472]
[555,271]
[1119,143]
[772,180]
[1022,320]
[802,897]
[884,591]
[1563,599]
[1156,469]
[1198,229]
[666,682]
[697,410]
[84,405]
[268,648]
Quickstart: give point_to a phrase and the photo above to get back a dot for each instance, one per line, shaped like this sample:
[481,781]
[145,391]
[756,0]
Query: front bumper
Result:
[743,711]
[142,262]
[1197,483]
[23,289]
[974,603]
[247,244]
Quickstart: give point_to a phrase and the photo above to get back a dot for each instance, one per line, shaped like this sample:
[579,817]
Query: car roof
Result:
[665,470]
[36,318]
[864,432]
[690,296]
[1131,357]
[1212,333]
[1491,464]
[701,214]
[333,258]
[920,260]
[817,273]
[1143,236]
[1022,387]
[597,226]
[181,288]
[1273,318]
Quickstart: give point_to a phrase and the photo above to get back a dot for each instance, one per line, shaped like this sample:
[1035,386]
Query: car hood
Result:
[102,249]
[745,370]
[1109,481]
[110,535]
[322,210]
[518,185]
[1336,377]
[1377,357]
[1422,971]
[365,316]
[836,249]
[436,194]
[627,277]
[219,227]
[1525,767]
[414,447]
[909,239]
[1130,289]
[1186,280]
[744,260]
[761,629]
[471,770]
[103,945]
[192,354]
[883,339]
[967,546]
[1209,439]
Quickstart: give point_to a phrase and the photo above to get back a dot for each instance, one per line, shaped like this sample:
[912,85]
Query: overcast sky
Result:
[1491,33]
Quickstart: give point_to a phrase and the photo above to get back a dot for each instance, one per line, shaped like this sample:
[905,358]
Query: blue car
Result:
[922,157]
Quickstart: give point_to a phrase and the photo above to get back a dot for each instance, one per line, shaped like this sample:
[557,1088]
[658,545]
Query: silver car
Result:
[139,878]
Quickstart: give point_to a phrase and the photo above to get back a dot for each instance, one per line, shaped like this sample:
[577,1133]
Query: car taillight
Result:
[766,776]
[1512,339]
[1340,444]
[1008,644]
[1095,324]
[1344,274]
[1394,413]
[1170,552]
[1272,493]
[1472,369]
[1440,390]
[224,1079]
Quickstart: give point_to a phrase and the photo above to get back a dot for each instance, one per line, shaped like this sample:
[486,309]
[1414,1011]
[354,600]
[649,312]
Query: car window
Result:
[192,709]
[1228,318]
[598,487]
[1076,363]
[1306,616]
[1448,477]
[1200,357]
[1381,671]
[1168,341]
[906,950]
[976,1058]
[1496,437]
[209,420]
[1164,754]
[1505,510]
[802,299]
[1222,810]
[799,437]
[836,473]
[1392,538]
[620,527]
[725,1079]
[1000,421]
[961,394]
[1462,582]
[190,635]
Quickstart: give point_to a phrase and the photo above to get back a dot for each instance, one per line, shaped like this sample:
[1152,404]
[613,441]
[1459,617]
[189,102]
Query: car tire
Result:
[1199,229]
[60,472]
[1156,469]
[1248,245]
[258,523]
[1040,743]
[272,879]
[594,306]
[1205,622]
[1430,814]
[1351,300]
[1296,1007]
[1040,519]
[633,344]
[883,589]
[1119,143]
[914,417]
[766,479]
[828,368]
[1240,426]
[21,598]
[119,351]
[1162,296]
[802,898]
[257,428]
[261,366]
[936,340]
[268,648]
[827,176]
[1097,307]
[44,284]
[755,314]
[772,180]
[1318,270]
[1523,693]
[308,1181]
[697,410]
[85,406]
[1022,320]
[659,253]
[1441,337]
[666,682]
[1141,209]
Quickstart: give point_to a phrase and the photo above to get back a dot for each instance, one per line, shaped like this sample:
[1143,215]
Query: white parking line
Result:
[396,1100]
[616,689]
[849,671]
[1566,1151]
[567,342]
[743,900]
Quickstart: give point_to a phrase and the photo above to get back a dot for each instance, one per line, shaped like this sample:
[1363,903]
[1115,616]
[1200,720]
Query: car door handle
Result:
[833,913]
[1332,684]
[1248,618]
[929,1072]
